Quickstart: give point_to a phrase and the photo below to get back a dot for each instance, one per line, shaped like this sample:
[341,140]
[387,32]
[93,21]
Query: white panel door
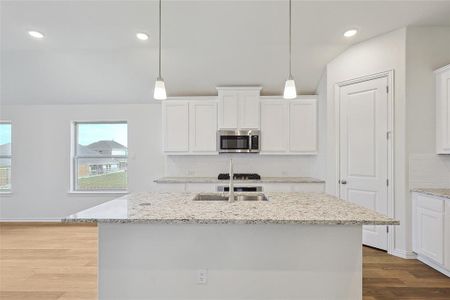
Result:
[274,126]
[303,126]
[248,110]
[176,126]
[228,109]
[364,151]
[203,126]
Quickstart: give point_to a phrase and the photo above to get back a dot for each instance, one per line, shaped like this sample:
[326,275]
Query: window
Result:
[100,156]
[5,156]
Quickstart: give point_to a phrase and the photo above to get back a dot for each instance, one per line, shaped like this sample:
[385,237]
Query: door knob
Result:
[343,181]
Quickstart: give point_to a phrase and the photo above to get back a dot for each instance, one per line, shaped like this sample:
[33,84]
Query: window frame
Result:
[10,157]
[74,157]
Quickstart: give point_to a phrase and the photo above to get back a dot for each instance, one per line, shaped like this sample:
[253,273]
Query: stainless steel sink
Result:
[256,197]
[224,197]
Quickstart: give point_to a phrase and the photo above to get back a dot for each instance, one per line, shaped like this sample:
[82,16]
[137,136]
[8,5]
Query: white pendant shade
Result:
[290,91]
[160,90]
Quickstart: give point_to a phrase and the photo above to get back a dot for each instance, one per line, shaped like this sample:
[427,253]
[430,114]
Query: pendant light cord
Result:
[159,40]
[290,39]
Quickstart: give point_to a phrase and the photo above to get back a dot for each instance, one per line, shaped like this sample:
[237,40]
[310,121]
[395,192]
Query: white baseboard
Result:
[433,264]
[403,254]
[30,220]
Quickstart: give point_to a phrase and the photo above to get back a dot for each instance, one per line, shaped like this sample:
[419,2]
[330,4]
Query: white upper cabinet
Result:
[239,107]
[303,126]
[176,126]
[289,126]
[442,76]
[248,109]
[228,109]
[203,126]
[274,126]
[189,127]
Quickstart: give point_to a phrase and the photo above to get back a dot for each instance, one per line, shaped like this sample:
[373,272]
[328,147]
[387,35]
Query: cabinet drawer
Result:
[430,203]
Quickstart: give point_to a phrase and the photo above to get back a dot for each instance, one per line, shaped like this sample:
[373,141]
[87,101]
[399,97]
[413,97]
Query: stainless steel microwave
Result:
[238,141]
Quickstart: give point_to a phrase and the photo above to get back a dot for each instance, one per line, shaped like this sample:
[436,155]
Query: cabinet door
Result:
[443,110]
[447,235]
[228,109]
[248,110]
[176,126]
[200,187]
[203,126]
[303,126]
[274,126]
[430,233]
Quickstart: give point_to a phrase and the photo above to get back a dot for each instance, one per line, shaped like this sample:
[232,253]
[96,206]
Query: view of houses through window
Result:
[5,156]
[101,156]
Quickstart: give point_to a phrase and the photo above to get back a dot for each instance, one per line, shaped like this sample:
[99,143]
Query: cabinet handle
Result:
[343,181]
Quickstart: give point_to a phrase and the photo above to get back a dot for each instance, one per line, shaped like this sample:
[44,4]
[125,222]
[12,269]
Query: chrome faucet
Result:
[231,184]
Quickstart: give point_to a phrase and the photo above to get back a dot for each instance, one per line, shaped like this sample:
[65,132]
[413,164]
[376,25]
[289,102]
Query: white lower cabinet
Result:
[431,231]
[294,187]
[200,188]
[189,127]
[307,187]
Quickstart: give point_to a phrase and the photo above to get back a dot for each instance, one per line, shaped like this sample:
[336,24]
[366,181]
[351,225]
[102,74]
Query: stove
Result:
[239,176]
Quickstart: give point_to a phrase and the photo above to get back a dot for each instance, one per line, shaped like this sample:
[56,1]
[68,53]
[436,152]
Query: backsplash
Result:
[265,165]
[429,171]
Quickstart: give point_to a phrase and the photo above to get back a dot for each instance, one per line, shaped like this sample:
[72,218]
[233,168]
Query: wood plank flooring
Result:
[48,261]
[390,277]
[59,262]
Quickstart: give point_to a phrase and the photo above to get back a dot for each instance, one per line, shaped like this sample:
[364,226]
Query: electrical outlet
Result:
[202,276]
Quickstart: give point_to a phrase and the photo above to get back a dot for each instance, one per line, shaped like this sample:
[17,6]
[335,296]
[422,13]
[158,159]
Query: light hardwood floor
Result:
[48,261]
[59,262]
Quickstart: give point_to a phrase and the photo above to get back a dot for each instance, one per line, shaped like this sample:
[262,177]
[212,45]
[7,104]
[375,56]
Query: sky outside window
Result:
[5,133]
[91,133]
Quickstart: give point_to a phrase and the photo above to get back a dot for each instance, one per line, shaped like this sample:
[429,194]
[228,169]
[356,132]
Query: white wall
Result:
[427,49]
[41,156]
[380,54]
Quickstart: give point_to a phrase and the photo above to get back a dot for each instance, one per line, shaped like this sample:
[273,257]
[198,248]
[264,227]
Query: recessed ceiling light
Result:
[350,33]
[36,34]
[142,36]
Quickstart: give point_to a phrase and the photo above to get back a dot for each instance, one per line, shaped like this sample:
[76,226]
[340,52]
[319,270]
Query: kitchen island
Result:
[167,246]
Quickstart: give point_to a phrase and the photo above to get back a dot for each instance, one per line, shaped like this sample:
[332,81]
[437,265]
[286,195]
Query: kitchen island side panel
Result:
[260,261]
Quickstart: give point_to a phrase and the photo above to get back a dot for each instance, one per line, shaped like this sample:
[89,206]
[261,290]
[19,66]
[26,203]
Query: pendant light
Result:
[160,88]
[290,91]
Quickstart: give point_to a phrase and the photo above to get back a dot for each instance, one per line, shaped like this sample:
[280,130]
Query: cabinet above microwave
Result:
[238,107]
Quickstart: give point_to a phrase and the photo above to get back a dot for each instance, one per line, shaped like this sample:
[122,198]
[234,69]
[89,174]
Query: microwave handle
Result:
[250,146]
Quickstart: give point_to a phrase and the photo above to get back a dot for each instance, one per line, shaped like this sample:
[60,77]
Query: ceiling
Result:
[90,53]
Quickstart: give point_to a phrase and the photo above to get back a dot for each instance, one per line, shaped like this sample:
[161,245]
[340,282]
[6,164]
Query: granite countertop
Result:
[179,208]
[444,193]
[191,179]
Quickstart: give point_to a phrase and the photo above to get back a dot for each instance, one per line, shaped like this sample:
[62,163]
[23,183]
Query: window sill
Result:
[98,192]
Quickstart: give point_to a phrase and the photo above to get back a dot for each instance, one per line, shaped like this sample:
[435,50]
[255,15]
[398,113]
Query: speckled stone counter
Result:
[179,208]
[444,193]
[215,180]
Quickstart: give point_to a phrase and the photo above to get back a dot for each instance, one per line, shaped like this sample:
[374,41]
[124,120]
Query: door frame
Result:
[389,75]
